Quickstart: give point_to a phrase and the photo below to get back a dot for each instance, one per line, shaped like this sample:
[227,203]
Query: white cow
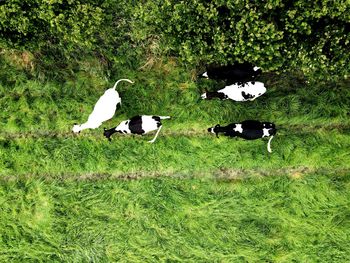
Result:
[104,109]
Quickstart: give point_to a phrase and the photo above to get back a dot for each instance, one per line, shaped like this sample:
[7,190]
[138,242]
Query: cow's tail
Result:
[269,145]
[164,117]
[128,80]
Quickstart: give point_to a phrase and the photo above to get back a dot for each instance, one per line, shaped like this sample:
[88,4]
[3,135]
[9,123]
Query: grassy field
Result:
[67,197]
[267,219]
[37,118]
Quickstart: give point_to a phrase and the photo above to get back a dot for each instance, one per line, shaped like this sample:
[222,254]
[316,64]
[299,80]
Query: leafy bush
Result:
[69,25]
[311,36]
[62,33]
[278,35]
[34,23]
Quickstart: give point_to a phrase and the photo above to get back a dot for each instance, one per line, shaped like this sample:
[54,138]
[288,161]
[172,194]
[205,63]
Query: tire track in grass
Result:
[224,174]
[294,129]
[171,156]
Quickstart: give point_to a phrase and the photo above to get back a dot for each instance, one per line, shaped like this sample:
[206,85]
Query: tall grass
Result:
[32,105]
[61,202]
[37,117]
[272,219]
[174,155]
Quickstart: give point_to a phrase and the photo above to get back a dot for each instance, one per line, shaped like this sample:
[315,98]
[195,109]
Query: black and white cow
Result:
[238,92]
[138,125]
[240,72]
[249,130]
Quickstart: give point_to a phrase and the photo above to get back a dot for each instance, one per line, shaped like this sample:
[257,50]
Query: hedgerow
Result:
[64,25]
[278,35]
[311,36]
[62,34]
[34,23]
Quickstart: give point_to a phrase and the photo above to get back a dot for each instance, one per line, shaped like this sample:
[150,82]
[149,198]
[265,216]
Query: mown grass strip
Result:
[222,174]
[192,130]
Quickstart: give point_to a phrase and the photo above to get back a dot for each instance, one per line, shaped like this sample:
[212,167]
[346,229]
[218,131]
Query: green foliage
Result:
[61,35]
[270,219]
[311,36]
[52,22]
[64,25]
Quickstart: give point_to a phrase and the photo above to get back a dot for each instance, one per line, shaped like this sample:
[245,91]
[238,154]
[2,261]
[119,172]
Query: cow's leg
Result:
[269,145]
[155,137]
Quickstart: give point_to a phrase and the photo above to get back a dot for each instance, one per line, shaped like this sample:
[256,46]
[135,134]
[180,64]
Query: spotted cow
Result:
[249,130]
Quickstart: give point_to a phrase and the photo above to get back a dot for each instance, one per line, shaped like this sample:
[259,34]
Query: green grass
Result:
[201,155]
[267,219]
[65,197]
[37,117]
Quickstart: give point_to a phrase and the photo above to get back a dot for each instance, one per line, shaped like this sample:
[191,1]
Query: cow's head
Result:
[76,128]
[203,75]
[214,130]
[268,125]
[108,133]
[210,95]
[257,71]
[204,96]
